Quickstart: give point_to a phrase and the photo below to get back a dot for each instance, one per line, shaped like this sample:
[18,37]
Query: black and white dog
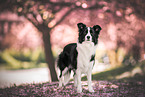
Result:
[79,57]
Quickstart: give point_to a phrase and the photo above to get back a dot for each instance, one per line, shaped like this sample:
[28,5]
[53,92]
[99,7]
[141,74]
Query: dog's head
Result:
[88,34]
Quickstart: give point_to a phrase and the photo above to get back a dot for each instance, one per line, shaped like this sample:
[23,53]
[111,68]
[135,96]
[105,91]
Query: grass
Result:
[22,59]
[110,74]
[121,72]
[132,86]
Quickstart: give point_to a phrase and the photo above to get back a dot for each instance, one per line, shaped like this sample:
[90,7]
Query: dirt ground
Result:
[114,88]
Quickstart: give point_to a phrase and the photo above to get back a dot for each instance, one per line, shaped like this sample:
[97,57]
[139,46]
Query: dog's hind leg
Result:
[67,77]
[64,77]
[60,80]
[75,80]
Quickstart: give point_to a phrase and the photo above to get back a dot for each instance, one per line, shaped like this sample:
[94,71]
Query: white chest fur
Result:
[85,52]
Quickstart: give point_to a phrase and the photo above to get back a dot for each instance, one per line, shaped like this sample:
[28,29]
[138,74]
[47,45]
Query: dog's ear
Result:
[97,28]
[81,26]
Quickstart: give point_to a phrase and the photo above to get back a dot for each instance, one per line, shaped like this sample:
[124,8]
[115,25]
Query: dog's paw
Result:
[91,90]
[60,85]
[79,90]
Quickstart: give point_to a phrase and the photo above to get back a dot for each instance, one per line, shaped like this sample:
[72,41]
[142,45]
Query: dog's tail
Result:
[64,77]
[67,77]
[57,68]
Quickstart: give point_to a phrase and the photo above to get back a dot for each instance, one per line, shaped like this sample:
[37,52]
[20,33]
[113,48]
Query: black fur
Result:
[83,31]
[68,57]
[92,58]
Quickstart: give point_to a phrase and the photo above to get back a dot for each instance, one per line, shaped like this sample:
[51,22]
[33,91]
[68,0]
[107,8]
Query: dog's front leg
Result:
[79,86]
[89,77]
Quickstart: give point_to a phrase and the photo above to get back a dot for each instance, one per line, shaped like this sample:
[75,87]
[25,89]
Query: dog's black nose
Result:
[88,37]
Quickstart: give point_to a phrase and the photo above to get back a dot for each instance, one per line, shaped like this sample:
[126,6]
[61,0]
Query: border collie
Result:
[79,57]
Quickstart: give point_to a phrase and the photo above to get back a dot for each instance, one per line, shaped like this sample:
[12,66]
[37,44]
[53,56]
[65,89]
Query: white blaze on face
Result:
[88,37]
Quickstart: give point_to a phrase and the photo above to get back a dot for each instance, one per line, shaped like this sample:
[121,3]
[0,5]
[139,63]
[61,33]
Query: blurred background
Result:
[34,32]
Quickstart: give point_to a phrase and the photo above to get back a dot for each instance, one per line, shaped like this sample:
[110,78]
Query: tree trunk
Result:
[48,52]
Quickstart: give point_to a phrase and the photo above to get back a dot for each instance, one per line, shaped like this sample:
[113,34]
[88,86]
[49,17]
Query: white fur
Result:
[64,71]
[85,51]
[64,78]
[88,34]
[61,80]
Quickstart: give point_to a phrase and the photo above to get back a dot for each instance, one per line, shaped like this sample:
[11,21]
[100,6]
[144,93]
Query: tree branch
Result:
[63,17]
[31,21]
[66,4]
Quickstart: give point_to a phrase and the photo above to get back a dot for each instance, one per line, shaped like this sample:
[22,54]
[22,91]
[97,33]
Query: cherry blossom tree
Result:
[45,15]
